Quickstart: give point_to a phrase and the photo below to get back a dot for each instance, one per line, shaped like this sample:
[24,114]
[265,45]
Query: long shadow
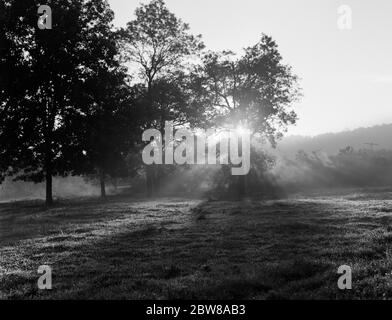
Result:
[20,220]
[213,250]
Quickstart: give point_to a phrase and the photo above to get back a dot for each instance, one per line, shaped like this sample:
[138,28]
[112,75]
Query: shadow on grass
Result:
[214,250]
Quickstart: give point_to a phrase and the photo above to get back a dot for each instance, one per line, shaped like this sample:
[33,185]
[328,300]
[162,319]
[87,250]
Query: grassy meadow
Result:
[174,248]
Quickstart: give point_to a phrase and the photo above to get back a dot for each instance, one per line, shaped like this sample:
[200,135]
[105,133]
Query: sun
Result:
[242,131]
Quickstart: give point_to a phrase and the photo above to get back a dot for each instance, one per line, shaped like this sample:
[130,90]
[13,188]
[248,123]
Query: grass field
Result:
[192,249]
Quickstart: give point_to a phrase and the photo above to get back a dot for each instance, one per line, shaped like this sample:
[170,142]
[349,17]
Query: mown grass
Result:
[191,249]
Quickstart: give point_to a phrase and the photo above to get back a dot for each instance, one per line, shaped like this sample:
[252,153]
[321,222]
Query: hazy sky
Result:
[346,75]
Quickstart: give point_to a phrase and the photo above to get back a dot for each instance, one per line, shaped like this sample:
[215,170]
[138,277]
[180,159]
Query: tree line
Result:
[74,100]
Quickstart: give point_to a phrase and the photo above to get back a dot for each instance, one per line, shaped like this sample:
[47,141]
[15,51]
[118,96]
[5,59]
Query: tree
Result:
[40,121]
[107,129]
[256,90]
[253,92]
[14,76]
[158,45]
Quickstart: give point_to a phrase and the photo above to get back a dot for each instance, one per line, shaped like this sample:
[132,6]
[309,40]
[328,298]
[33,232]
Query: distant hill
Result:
[331,143]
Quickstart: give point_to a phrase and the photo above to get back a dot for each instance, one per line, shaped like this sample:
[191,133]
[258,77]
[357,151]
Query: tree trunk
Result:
[49,195]
[159,172]
[48,169]
[102,181]
[48,136]
[241,180]
[115,184]
[150,176]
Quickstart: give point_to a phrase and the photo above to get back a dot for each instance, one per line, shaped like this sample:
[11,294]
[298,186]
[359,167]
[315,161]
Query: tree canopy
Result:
[57,69]
[75,99]
[255,91]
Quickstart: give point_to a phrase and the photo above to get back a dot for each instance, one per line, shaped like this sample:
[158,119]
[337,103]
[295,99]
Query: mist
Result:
[63,187]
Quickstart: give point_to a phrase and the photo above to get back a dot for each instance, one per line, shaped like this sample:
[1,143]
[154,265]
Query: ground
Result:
[194,249]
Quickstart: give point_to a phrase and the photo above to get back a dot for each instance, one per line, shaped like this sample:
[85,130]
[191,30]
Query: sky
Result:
[346,75]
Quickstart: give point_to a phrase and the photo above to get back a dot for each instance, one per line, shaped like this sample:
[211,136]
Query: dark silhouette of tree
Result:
[41,119]
[157,42]
[14,77]
[109,128]
[158,45]
[107,131]
[255,91]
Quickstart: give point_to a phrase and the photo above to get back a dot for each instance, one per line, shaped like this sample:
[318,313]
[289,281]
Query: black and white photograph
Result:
[210,151]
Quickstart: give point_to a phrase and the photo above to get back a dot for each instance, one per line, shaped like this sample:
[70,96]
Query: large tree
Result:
[14,77]
[109,127]
[108,131]
[255,91]
[159,49]
[157,43]
[41,116]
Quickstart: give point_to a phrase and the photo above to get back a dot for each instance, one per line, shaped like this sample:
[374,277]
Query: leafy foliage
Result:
[256,90]
[56,67]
